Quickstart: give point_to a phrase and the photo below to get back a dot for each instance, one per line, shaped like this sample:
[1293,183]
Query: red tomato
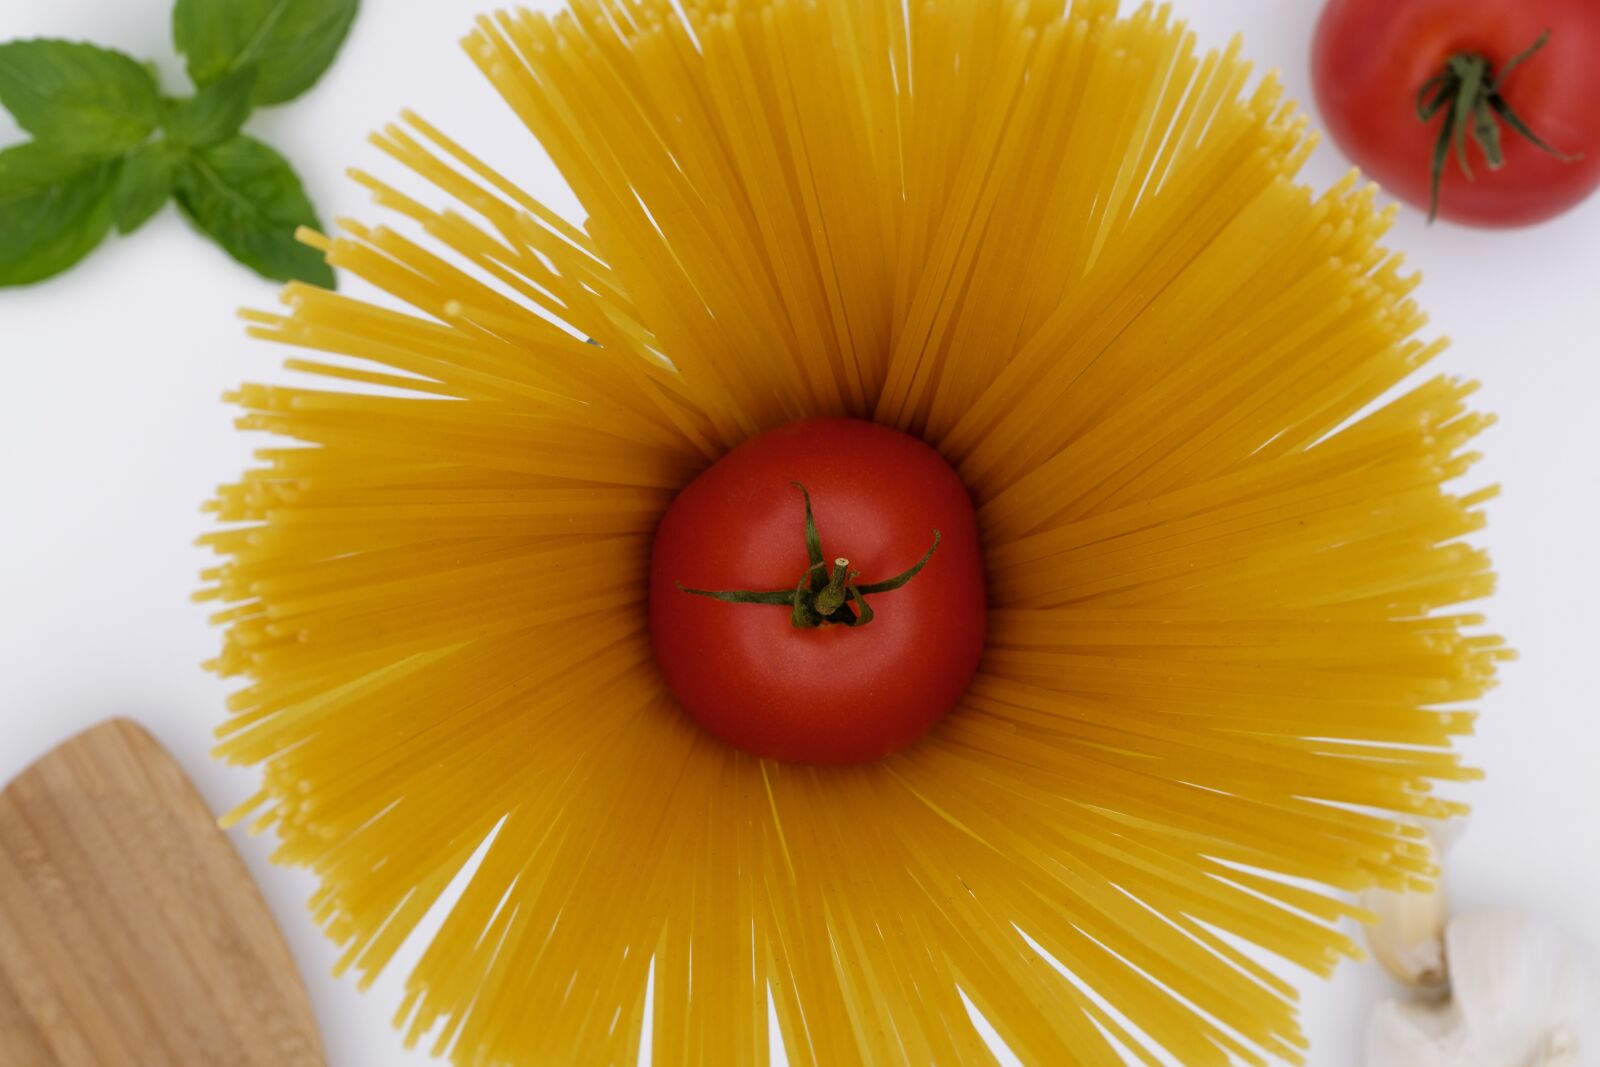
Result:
[1371,59]
[835,692]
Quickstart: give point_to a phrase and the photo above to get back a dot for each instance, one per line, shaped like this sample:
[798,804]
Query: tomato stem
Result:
[1468,92]
[821,598]
[835,593]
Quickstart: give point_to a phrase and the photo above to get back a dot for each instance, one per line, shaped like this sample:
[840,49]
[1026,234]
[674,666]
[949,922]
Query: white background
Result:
[111,433]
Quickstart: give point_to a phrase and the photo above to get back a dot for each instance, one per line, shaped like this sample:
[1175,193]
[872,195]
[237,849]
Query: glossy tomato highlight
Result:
[856,670]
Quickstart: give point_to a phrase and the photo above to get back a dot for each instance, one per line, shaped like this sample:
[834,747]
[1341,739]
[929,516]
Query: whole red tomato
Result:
[1520,116]
[836,648]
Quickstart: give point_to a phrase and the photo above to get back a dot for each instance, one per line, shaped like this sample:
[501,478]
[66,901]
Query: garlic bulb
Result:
[1520,991]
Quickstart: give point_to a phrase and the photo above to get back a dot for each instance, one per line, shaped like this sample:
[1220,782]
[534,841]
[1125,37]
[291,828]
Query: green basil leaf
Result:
[291,42]
[249,200]
[78,99]
[144,185]
[54,209]
[215,113]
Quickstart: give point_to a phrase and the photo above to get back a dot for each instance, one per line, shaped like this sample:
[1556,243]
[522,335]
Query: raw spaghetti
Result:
[1225,662]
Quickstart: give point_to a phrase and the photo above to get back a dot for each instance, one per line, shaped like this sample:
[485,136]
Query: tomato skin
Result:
[1370,57]
[834,694]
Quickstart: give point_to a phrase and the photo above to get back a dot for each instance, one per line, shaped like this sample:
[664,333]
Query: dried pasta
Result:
[1226,558]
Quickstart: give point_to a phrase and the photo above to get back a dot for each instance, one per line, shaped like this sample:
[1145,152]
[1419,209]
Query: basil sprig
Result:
[108,149]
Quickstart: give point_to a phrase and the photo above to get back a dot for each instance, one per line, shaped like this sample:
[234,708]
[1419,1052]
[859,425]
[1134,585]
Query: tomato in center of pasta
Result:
[838,640]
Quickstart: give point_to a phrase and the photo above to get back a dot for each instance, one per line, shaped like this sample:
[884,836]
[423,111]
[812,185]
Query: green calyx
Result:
[822,597]
[1468,92]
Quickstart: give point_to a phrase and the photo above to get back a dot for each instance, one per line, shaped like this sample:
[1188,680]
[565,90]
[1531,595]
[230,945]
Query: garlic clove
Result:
[1408,936]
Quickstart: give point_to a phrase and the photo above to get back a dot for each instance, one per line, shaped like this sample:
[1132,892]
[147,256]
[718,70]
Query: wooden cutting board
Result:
[131,934]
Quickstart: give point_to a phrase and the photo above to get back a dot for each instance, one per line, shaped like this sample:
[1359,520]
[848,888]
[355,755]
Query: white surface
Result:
[112,434]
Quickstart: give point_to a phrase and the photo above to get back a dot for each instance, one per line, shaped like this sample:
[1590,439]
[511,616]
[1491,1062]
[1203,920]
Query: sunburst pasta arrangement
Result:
[1225,659]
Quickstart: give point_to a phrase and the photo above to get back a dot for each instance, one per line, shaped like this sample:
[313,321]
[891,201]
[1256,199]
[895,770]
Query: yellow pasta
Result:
[1224,545]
